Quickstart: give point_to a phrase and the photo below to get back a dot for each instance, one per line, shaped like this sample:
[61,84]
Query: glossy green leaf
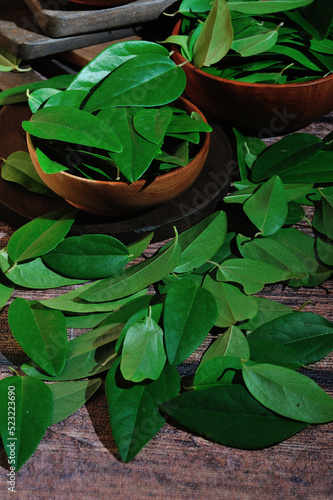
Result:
[189,313]
[296,213]
[309,334]
[324,251]
[34,274]
[254,7]
[68,98]
[229,415]
[251,274]
[152,123]
[19,94]
[40,235]
[254,41]
[267,311]
[74,126]
[133,408]
[288,393]
[184,124]
[322,220]
[134,278]
[147,80]
[231,343]
[188,6]
[143,355]
[41,333]
[215,38]
[89,256]
[137,248]
[232,305]
[267,208]
[39,96]
[201,242]
[111,58]
[31,415]
[9,62]
[182,41]
[247,147]
[285,154]
[137,153]
[68,397]
[318,169]
[19,168]
[88,320]
[218,370]
[48,165]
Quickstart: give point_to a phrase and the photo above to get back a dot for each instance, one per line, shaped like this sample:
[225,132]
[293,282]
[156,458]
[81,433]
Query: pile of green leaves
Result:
[117,119]
[258,41]
[246,391]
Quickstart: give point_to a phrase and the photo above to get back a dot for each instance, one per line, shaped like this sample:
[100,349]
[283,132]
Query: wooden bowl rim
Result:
[309,83]
[139,182]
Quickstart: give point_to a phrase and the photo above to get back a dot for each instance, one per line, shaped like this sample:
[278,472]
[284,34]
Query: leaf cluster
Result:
[117,119]
[246,391]
[258,41]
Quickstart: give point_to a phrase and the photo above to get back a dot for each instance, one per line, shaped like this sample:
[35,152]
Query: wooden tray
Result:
[74,19]
[18,205]
[21,35]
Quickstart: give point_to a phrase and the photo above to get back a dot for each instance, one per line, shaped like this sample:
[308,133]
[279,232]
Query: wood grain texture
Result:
[78,459]
[64,22]
[22,36]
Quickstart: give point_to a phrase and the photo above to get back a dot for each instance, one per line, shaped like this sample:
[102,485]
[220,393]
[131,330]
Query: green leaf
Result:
[309,334]
[189,313]
[89,256]
[47,165]
[215,38]
[67,98]
[111,58]
[273,252]
[267,311]
[232,305]
[136,277]
[251,274]
[152,123]
[146,80]
[218,370]
[254,41]
[74,126]
[143,355]
[40,235]
[274,353]
[19,94]
[201,242]
[324,250]
[285,154]
[184,124]
[261,7]
[39,96]
[318,169]
[19,168]
[183,42]
[137,248]
[288,393]
[247,147]
[9,62]
[43,336]
[229,415]
[68,397]
[322,220]
[303,247]
[296,213]
[320,13]
[32,410]
[231,343]
[137,153]
[34,274]
[133,408]
[267,207]
[6,291]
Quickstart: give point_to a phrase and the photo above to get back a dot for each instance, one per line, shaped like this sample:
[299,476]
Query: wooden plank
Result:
[22,36]
[67,20]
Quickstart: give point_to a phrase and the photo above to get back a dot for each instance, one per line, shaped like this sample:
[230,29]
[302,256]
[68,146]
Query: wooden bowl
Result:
[119,199]
[265,109]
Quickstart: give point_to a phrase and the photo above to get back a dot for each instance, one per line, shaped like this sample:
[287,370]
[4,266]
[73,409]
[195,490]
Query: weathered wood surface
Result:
[77,458]
[71,19]
[22,36]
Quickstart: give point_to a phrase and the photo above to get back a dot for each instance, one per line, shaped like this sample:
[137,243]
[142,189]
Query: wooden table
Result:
[78,459]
